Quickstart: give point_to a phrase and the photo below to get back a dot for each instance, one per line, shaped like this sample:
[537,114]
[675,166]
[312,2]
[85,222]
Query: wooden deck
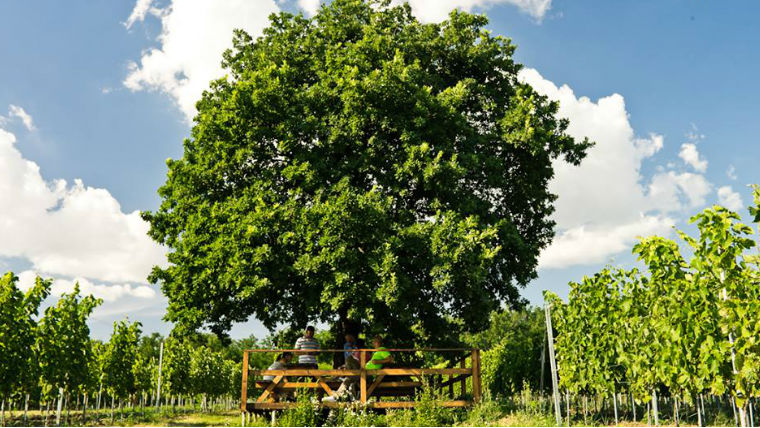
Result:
[378,389]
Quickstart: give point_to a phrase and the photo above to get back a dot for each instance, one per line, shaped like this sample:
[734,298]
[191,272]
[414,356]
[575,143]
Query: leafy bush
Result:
[487,412]
[513,346]
[304,414]
[355,416]
[427,411]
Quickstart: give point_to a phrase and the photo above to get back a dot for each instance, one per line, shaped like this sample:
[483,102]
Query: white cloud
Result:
[109,293]
[670,189]
[69,230]
[606,203]
[586,245]
[193,37]
[140,11]
[311,7]
[690,155]
[647,147]
[730,199]
[20,113]
[438,10]
[731,172]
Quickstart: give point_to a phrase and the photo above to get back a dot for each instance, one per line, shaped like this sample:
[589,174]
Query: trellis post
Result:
[552,363]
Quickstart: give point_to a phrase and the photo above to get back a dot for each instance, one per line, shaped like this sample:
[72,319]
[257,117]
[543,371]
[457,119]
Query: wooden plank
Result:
[418,372]
[399,385]
[267,392]
[453,380]
[244,392]
[309,372]
[376,405]
[476,375]
[299,385]
[325,386]
[346,372]
[410,404]
[363,377]
[374,385]
[268,350]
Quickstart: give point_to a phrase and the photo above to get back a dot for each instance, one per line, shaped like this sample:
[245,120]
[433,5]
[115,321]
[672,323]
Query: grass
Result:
[505,413]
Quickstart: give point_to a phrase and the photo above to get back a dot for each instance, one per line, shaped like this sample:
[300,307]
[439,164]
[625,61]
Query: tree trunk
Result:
[2,413]
[112,408]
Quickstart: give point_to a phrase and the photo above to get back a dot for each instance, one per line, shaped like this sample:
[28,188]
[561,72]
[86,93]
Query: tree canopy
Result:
[361,165]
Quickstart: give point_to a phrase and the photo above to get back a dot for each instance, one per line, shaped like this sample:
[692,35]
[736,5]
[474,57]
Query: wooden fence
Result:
[372,384]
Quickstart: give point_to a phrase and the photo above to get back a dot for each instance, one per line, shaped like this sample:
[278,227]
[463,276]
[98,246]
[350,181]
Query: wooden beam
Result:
[463,382]
[400,385]
[454,380]
[346,372]
[244,391]
[301,351]
[363,377]
[267,392]
[309,372]
[374,385]
[325,386]
[376,405]
[418,372]
[410,404]
[476,375]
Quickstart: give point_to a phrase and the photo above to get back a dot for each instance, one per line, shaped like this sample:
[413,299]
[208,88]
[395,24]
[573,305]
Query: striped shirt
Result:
[306,343]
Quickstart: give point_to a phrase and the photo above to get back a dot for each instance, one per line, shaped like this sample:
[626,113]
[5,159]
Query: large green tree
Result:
[361,165]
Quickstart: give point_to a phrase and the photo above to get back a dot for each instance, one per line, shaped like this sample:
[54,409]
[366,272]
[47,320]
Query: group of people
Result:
[307,347]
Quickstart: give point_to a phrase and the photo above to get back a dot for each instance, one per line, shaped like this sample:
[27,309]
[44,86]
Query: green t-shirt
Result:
[378,355]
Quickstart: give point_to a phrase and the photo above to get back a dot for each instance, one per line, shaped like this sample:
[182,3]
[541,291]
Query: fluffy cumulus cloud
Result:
[438,10]
[690,155]
[194,34]
[606,203]
[70,230]
[730,199]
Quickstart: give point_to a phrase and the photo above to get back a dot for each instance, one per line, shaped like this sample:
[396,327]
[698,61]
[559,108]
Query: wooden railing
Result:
[372,383]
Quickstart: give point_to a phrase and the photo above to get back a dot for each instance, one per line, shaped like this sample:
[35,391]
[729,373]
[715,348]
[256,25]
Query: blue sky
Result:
[106,89]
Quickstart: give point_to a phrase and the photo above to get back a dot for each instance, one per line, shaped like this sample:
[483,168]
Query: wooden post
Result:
[244,392]
[552,363]
[476,392]
[363,376]
[463,382]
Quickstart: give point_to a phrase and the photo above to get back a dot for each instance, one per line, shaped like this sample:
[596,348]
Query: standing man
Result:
[309,344]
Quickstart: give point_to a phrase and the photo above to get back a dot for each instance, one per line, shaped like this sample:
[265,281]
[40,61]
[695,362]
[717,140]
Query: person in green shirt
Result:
[379,357]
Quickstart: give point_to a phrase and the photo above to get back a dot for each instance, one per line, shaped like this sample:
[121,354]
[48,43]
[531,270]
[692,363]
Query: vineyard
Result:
[682,332]
[52,366]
